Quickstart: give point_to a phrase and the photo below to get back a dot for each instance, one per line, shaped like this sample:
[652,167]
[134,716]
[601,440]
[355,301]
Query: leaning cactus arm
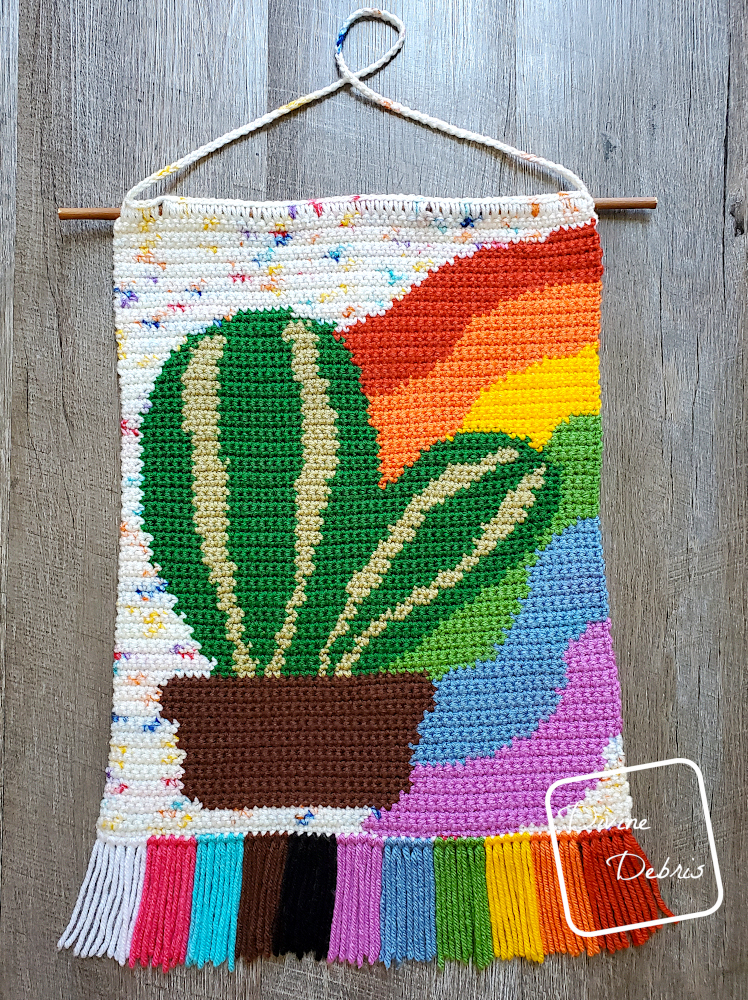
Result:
[513,510]
[454,478]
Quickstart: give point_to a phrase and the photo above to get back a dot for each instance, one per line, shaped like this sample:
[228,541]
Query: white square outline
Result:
[610,774]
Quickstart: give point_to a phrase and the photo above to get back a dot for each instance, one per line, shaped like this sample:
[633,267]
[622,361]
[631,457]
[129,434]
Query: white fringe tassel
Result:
[104,916]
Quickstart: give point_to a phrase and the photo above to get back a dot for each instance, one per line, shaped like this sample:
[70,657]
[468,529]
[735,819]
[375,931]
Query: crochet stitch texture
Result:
[362,616]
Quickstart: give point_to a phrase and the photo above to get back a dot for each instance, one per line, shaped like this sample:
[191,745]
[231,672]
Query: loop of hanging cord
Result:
[439,125]
[347,76]
[271,116]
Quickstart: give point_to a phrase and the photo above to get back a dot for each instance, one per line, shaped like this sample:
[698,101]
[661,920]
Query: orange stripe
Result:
[557,937]
[579,901]
[552,322]
[423,326]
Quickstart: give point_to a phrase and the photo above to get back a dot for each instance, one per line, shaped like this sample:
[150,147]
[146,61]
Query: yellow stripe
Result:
[497,894]
[532,403]
[512,897]
[531,896]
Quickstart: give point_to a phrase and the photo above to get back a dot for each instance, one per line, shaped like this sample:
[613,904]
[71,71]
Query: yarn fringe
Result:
[360,898]
[163,924]
[103,919]
[355,933]
[407,911]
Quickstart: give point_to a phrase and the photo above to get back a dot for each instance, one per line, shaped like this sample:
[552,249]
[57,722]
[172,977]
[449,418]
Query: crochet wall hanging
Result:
[362,612]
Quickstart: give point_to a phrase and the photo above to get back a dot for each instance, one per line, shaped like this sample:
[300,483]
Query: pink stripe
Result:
[374,896]
[155,856]
[363,861]
[174,883]
[162,926]
[341,887]
[349,930]
[168,853]
[354,935]
[169,948]
[506,792]
[160,908]
[184,906]
[137,934]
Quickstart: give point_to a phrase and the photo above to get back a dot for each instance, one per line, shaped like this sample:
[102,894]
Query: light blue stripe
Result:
[418,908]
[481,708]
[212,950]
[203,938]
[430,901]
[407,913]
[215,899]
[198,911]
[386,906]
[217,951]
[401,904]
[410,863]
[236,891]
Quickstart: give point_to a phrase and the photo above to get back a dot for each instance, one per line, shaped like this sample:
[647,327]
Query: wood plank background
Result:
[639,97]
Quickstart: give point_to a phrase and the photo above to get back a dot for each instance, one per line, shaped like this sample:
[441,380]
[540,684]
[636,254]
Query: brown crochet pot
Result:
[297,741]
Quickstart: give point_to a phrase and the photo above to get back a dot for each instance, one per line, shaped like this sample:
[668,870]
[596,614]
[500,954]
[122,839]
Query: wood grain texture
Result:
[8,111]
[638,97]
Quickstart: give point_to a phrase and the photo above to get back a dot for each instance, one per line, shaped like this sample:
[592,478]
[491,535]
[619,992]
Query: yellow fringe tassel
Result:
[512,897]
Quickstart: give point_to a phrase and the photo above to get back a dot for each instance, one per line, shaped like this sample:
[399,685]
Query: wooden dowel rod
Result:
[616,204]
[88,213]
[601,205]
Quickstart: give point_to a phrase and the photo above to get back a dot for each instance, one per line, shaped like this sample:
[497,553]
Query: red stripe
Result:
[423,327]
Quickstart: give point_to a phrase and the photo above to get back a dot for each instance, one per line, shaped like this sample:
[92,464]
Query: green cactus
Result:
[261,491]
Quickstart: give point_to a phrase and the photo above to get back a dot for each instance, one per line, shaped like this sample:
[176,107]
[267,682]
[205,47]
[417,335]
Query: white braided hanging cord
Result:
[355,80]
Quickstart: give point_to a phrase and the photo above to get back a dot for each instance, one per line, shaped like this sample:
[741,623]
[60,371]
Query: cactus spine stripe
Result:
[210,488]
[320,443]
[512,511]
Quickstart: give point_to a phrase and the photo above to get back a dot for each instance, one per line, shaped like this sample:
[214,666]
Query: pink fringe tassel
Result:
[354,935]
[163,924]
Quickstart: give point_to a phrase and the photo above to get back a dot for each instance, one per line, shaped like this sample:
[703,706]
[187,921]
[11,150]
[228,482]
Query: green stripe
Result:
[472,632]
[260,427]
[576,448]
[483,937]
[440,883]
[463,920]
